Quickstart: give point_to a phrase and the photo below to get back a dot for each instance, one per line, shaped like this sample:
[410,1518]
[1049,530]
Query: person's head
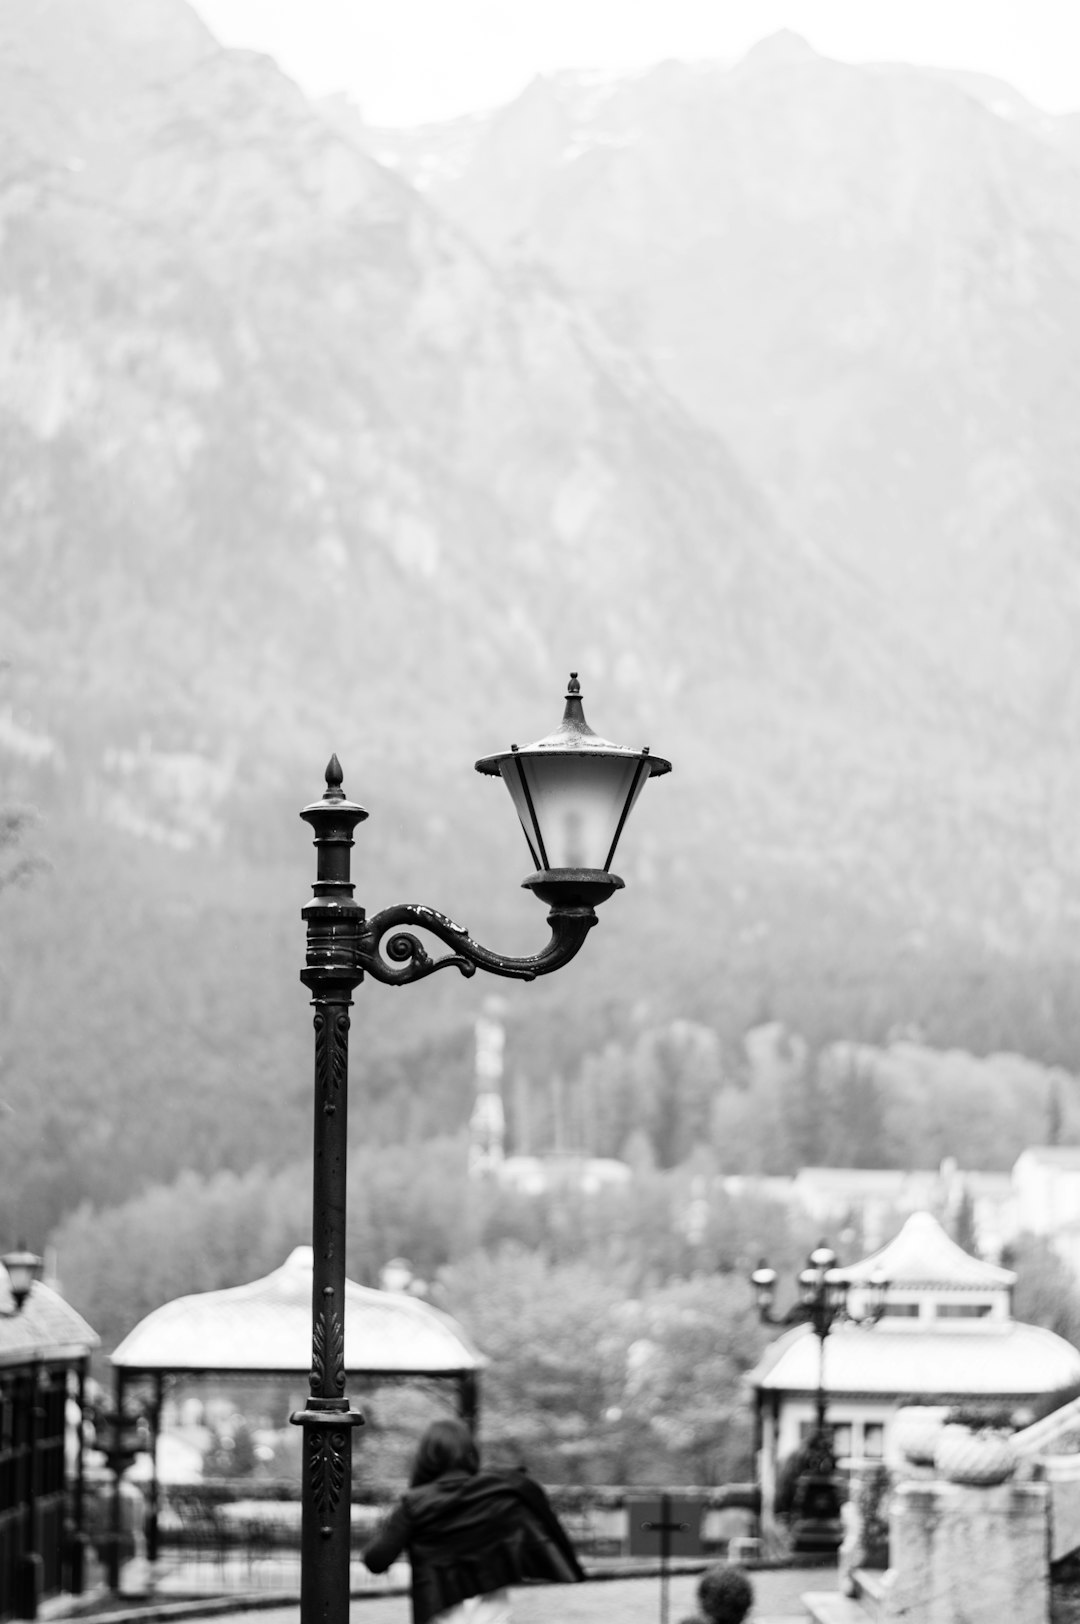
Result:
[447,1446]
[725,1595]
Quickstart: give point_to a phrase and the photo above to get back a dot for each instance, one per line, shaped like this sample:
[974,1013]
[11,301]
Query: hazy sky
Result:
[408,60]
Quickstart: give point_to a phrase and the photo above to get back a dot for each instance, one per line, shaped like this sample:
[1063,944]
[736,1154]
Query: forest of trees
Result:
[774,1104]
[175,1035]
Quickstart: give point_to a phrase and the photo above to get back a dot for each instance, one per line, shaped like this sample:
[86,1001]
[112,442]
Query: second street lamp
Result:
[821,1303]
[573,792]
[23,1268]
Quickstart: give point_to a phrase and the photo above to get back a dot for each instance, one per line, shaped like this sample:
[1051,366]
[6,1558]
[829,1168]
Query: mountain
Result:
[863,278]
[287,468]
[296,458]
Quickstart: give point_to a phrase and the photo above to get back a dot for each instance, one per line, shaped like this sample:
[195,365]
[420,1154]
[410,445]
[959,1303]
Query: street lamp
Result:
[573,792]
[821,1303]
[23,1268]
[120,1435]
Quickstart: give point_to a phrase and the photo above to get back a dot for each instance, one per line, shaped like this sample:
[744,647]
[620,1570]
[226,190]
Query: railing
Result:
[230,1534]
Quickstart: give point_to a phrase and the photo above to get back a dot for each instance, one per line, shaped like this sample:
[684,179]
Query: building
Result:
[487,1125]
[1047,1183]
[262,1329]
[881,1197]
[45,1349]
[947,1336]
[875,1200]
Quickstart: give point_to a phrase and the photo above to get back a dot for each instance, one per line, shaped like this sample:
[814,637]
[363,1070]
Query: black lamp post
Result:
[821,1303]
[573,792]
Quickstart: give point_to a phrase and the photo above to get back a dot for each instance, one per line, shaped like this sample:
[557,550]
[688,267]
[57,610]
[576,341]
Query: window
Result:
[874,1440]
[900,1311]
[962,1310]
[839,1431]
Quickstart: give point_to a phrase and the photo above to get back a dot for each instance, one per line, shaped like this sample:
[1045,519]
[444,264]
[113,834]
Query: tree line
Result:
[618,1327]
[176,1038]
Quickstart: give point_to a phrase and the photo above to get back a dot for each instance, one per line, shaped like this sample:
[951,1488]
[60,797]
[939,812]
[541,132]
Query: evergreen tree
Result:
[963,1228]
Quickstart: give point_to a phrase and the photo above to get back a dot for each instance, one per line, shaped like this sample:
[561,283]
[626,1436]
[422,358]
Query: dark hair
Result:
[447,1446]
[725,1595]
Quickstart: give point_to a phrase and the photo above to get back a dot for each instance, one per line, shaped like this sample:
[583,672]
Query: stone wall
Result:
[976,1554]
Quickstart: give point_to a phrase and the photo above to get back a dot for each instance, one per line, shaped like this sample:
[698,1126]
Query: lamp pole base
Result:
[326,1518]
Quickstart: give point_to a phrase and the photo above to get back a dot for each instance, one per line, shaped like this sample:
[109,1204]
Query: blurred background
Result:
[361,377]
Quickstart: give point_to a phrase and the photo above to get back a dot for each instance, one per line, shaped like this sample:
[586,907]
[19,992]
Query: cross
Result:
[664,1527]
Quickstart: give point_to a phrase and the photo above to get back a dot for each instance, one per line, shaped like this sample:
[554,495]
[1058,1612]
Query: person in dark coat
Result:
[470,1533]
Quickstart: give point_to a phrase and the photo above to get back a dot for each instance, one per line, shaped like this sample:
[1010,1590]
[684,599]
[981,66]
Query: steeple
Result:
[487,1125]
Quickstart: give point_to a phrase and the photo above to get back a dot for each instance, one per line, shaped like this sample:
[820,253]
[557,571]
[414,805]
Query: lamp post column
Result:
[331,973]
[822,1328]
[77,1545]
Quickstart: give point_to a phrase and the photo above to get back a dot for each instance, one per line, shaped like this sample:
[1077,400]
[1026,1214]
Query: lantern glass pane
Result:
[809,1280]
[23,1269]
[22,1278]
[571,806]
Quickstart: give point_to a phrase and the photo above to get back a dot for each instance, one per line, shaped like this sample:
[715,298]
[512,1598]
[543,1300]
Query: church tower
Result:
[487,1125]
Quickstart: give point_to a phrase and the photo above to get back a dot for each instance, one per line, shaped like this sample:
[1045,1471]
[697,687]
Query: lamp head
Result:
[877,1289]
[763,1281]
[809,1279]
[23,1268]
[573,792]
[396,1275]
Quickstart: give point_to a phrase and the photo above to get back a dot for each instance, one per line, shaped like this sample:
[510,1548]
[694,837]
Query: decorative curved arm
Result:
[406,959]
[797,1314]
[822,1316]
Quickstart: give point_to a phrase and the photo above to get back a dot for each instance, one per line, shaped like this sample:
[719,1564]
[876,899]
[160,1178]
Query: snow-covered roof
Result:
[1003,1359]
[561,1171]
[922,1255]
[45,1328]
[266,1326]
[1059,1156]
[880,1180]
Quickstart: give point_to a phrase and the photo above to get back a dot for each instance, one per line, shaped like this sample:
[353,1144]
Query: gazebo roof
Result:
[265,1326]
[922,1254]
[1004,1360]
[45,1328]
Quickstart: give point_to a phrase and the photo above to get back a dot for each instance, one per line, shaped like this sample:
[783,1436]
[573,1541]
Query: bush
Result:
[982,1418]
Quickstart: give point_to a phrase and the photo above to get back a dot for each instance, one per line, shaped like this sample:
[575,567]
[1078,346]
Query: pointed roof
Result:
[780,49]
[45,1328]
[1061,1156]
[266,1326]
[922,1255]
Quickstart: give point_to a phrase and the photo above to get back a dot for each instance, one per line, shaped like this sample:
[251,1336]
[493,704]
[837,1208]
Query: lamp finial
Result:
[334,776]
[573,714]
